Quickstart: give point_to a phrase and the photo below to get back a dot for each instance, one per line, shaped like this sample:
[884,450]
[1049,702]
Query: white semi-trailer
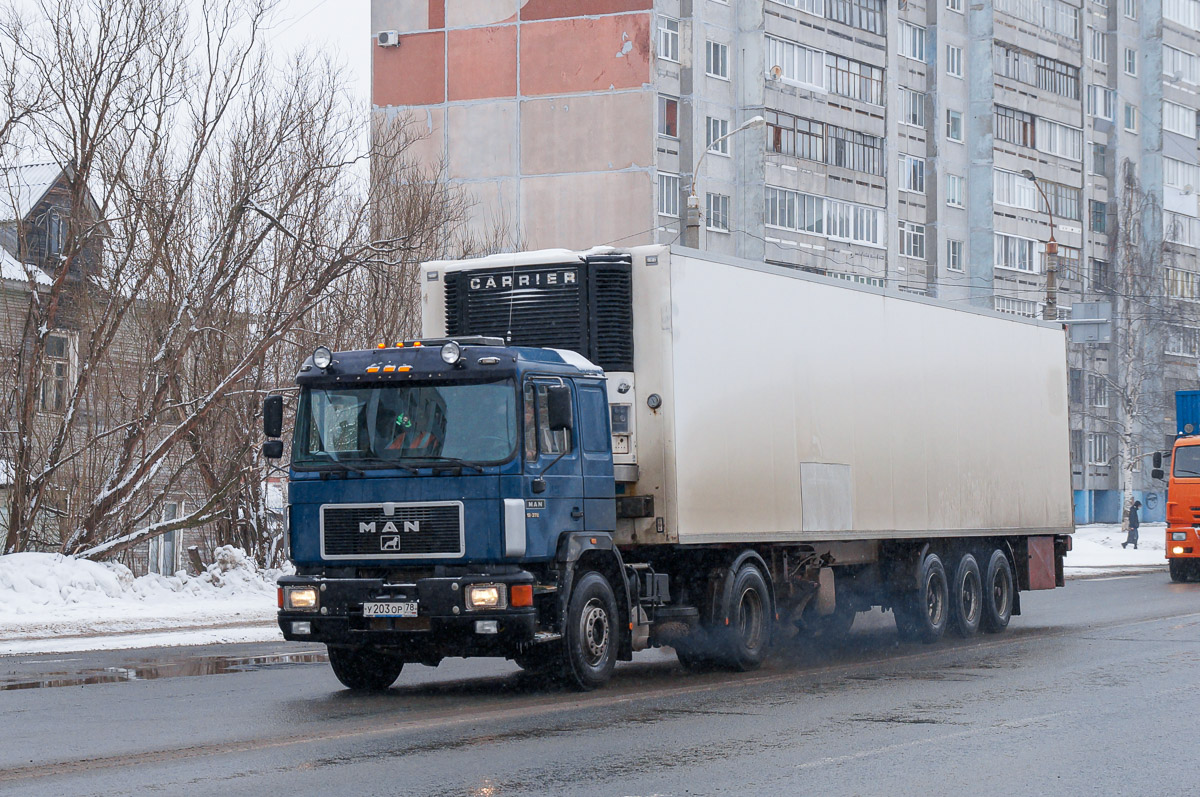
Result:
[697,452]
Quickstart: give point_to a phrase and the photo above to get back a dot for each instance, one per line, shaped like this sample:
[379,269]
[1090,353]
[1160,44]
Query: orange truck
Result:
[1183,490]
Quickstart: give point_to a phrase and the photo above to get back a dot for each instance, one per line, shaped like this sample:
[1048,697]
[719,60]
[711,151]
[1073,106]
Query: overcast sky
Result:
[340,27]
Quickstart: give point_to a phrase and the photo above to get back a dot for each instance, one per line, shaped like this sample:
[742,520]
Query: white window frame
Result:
[1098,45]
[951,116]
[1012,306]
[1131,8]
[799,64]
[954,255]
[1102,102]
[717,212]
[669,188]
[1184,63]
[668,39]
[1181,174]
[1130,118]
[715,128]
[1055,138]
[913,39]
[1098,449]
[912,107]
[1179,119]
[955,5]
[955,189]
[954,61]
[912,174]
[1013,190]
[912,240]
[1131,62]
[58,372]
[1182,341]
[1010,249]
[716,59]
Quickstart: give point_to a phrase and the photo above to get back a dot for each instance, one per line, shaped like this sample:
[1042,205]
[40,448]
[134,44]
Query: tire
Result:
[590,642]
[693,657]
[544,659]
[1183,570]
[966,597]
[923,615]
[743,640]
[364,669]
[998,588]
[833,626]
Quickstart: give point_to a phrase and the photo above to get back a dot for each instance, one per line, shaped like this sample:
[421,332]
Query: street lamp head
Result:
[1028,175]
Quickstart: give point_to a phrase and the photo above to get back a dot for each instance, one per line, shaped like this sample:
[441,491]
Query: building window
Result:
[1181,65]
[954,190]
[954,65]
[1058,139]
[1131,8]
[1067,262]
[1077,452]
[1185,12]
[854,79]
[1098,390]
[1014,63]
[1057,78]
[1021,307]
[1102,102]
[716,60]
[1183,284]
[1099,158]
[164,548]
[1075,386]
[1055,16]
[1181,229]
[912,41]
[912,107]
[1100,276]
[912,174]
[1131,62]
[718,212]
[954,125]
[1014,252]
[954,255]
[1014,126]
[1183,341]
[797,64]
[791,135]
[1098,449]
[1098,45]
[791,210]
[1064,201]
[1179,119]
[1131,118]
[668,194]
[865,15]
[717,129]
[854,150]
[1012,190]
[668,117]
[1099,216]
[668,39]
[912,240]
[861,224]
[807,6]
[1181,175]
[56,372]
[955,5]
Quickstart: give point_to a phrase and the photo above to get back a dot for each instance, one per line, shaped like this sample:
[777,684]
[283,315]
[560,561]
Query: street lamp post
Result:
[691,235]
[1050,311]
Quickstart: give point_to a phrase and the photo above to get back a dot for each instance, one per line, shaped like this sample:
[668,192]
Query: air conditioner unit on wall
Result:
[388,38]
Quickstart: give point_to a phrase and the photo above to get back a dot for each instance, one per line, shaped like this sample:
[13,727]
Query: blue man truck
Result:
[588,454]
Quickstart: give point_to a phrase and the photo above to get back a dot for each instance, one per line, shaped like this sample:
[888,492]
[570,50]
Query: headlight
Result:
[322,357]
[302,599]
[486,596]
[1178,549]
[451,352]
[1179,536]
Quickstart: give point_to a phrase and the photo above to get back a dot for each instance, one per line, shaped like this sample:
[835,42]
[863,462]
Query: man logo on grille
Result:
[412,526]
[366,528]
[389,543]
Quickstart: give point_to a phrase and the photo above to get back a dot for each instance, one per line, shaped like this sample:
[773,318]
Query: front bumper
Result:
[443,625]
[1186,548]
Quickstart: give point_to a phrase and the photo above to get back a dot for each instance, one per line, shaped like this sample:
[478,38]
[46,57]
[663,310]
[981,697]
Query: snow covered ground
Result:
[55,604]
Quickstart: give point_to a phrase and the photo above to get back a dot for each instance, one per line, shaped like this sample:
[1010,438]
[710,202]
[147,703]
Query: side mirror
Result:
[272,449]
[273,416]
[1157,460]
[558,408]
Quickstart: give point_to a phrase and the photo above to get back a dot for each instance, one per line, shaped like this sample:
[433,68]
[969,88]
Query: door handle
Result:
[576,513]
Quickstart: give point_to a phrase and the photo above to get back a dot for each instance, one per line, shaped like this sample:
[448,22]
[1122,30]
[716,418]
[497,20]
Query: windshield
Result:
[1187,462]
[403,424]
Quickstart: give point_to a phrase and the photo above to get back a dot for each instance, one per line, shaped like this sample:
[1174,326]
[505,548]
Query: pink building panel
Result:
[581,55]
[413,73]
[483,63]
[561,9]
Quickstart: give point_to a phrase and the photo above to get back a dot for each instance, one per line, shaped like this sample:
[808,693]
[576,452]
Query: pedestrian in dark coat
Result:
[1134,522]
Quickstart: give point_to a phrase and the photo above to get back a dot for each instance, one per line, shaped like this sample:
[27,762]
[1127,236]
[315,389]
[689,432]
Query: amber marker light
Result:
[280,591]
[404,368]
[374,369]
[387,369]
[521,595]
[381,346]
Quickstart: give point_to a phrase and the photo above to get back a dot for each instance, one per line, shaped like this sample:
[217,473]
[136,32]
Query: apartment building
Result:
[897,149]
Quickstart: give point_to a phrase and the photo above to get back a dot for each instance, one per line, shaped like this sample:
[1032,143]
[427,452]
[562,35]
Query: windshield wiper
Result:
[454,462]
[335,465]
[390,463]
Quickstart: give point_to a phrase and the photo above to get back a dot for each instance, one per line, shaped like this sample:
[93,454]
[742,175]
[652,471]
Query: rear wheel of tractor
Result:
[997,593]
[923,615]
[590,642]
[966,597]
[364,669]
[748,617]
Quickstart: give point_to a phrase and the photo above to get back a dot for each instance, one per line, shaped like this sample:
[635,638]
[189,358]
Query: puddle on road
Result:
[205,665]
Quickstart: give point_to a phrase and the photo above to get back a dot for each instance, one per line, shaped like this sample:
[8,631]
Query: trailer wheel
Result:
[997,593]
[590,641]
[364,669]
[923,615]
[746,634]
[966,597]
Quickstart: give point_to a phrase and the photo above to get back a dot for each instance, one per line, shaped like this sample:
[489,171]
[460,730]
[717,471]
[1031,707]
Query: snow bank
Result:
[1097,548]
[48,595]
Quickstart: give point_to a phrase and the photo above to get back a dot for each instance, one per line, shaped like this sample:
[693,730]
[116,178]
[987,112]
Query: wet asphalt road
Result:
[1094,690]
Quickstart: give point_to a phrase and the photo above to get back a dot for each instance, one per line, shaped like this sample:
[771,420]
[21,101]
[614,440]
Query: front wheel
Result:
[590,643]
[364,669]
[1184,569]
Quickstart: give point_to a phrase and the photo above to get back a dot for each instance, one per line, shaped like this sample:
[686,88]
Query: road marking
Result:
[1112,578]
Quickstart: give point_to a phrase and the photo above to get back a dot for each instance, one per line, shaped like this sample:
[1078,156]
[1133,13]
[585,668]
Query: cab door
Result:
[552,485]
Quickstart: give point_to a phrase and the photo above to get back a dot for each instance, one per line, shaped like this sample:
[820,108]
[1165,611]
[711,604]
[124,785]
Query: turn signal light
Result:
[521,595]
[280,591]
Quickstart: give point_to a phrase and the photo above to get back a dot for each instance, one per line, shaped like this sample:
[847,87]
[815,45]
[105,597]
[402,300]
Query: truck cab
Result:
[439,493]
[1183,510]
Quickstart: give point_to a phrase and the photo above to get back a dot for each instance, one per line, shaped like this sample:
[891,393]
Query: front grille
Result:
[409,531]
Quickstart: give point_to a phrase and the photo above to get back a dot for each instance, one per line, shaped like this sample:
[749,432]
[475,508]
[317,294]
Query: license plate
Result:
[378,609]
